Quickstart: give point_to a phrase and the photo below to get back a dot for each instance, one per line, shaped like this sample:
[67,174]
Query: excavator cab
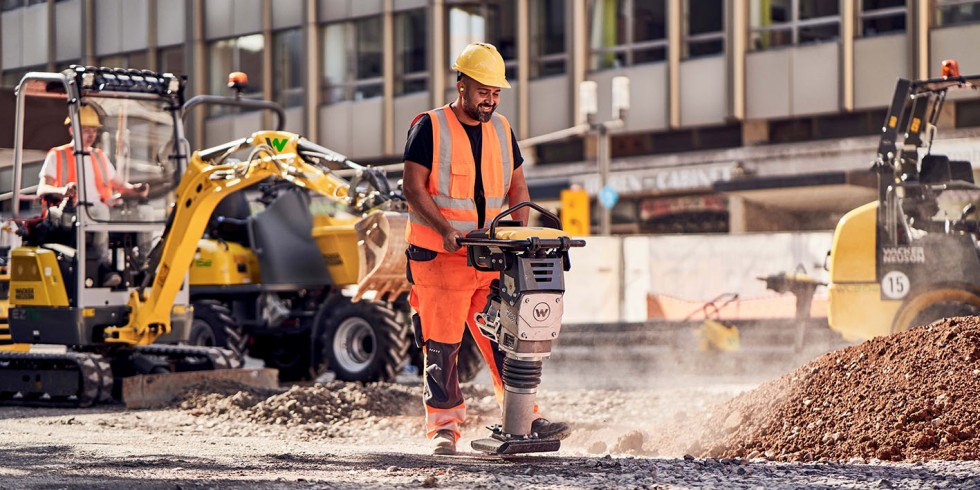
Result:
[90,249]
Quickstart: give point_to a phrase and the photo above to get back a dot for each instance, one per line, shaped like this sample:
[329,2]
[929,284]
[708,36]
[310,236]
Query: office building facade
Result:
[746,115]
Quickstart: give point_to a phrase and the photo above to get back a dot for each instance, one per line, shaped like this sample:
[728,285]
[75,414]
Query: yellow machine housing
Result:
[37,278]
[219,262]
[857,310]
[913,256]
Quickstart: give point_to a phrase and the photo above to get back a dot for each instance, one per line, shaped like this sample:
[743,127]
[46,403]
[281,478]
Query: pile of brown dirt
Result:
[911,396]
[320,408]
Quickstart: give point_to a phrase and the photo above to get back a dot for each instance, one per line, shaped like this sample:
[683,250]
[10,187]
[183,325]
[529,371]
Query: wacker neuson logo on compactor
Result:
[903,255]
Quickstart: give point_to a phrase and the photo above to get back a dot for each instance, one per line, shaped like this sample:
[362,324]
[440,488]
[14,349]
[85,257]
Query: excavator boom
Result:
[210,176]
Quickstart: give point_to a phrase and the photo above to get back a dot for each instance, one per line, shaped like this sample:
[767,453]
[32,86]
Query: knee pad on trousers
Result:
[441,375]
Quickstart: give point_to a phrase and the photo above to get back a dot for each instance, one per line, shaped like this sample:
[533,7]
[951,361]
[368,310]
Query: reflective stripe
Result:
[437,419]
[503,138]
[445,151]
[459,225]
[66,171]
[452,203]
[495,203]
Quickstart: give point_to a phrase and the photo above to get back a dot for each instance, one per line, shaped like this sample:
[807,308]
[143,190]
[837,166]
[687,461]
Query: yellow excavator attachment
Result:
[154,390]
[381,240]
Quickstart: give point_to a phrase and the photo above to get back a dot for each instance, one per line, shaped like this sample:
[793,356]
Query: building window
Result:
[411,59]
[287,67]
[352,58]
[15,4]
[171,60]
[882,17]
[704,28]
[627,32]
[548,52]
[493,22]
[137,60]
[236,54]
[955,12]
[777,23]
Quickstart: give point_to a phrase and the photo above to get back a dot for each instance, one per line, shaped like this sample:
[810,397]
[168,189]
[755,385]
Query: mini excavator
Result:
[72,336]
[522,315]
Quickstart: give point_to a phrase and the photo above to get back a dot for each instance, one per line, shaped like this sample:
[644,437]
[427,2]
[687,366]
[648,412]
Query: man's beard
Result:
[475,113]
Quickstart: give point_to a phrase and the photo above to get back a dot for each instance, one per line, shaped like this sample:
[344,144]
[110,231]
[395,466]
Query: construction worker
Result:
[58,179]
[462,165]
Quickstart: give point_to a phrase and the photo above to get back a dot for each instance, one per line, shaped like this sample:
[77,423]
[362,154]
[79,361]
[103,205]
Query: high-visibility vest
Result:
[65,155]
[453,175]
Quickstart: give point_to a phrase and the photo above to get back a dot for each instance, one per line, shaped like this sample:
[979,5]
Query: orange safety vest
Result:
[66,166]
[453,175]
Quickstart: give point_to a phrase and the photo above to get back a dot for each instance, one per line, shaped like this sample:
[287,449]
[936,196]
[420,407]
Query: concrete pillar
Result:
[437,52]
[388,78]
[674,26]
[847,15]
[311,85]
[736,215]
[266,59]
[523,69]
[197,61]
[919,18]
[578,59]
[737,34]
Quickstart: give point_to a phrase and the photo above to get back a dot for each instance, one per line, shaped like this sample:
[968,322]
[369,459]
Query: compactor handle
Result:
[533,243]
[545,214]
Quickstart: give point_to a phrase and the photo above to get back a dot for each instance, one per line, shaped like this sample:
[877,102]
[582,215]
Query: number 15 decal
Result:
[895,285]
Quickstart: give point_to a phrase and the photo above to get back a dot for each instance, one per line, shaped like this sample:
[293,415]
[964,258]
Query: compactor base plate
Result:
[515,446]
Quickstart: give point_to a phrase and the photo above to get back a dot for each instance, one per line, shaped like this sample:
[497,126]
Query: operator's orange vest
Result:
[453,175]
[66,166]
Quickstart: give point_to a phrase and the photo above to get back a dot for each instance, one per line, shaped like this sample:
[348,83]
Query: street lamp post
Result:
[588,103]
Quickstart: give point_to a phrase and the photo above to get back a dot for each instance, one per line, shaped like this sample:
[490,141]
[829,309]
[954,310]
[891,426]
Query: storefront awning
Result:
[827,191]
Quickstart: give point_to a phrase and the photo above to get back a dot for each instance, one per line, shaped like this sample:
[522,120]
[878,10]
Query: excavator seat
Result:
[229,220]
[939,169]
[281,237]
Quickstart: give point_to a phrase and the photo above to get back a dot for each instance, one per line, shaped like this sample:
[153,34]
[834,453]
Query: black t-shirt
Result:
[418,149]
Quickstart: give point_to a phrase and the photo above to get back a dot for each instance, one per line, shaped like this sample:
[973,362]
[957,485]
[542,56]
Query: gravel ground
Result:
[337,435]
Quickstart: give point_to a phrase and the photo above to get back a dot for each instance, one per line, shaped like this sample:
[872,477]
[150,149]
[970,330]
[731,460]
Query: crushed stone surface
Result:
[894,412]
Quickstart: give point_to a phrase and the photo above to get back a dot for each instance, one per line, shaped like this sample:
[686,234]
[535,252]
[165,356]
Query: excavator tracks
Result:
[73,379]
[81,379]
[183,358]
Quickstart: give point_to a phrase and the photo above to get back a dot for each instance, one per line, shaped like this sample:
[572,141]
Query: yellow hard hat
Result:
[482,62]
[89,117]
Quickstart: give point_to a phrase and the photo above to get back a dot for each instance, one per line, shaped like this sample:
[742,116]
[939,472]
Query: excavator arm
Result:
[211,175]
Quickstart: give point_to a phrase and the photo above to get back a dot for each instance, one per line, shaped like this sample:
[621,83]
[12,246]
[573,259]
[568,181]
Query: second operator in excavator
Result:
[58,177]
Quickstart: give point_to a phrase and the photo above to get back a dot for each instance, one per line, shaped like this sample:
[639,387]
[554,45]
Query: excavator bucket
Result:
[381,240]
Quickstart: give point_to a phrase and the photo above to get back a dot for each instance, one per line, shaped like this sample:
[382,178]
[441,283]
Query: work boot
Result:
[444,443]
[550,430]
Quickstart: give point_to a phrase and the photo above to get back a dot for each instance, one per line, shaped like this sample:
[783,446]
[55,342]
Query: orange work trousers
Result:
[446,293]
